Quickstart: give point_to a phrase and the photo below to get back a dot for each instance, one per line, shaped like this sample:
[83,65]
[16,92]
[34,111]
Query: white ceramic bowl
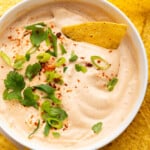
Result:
[27,5]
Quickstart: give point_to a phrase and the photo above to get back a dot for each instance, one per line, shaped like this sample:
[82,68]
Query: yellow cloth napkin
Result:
[137,135]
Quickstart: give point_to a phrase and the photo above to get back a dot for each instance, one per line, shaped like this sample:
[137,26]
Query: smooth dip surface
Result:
[84,95]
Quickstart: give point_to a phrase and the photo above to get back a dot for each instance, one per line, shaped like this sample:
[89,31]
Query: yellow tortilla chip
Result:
[146,39]
[6,4]
[105,34]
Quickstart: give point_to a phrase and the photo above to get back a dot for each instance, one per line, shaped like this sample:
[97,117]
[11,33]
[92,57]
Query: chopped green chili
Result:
[97,127]
[5,58]
[111,84]
[81,68]
[100,63]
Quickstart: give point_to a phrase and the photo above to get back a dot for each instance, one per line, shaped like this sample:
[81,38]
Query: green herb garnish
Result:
[100,63]
[111,84]
[30,99]
[5,58]
[54,116]
[60,62]
[47,129]
[81,68]
[53,40]
[53,76]
[56,134]
[73,57]
[65,69]
[49,91]
[38,125]
[63,50]
[19,61]
[38,34]
[29,52]
[43,57]
[97,127]
[32,70]
[14,84]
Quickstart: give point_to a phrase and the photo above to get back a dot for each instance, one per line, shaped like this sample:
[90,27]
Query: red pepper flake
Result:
[65,127]
[59,95]
[69,90]
[110,51]
[52,26]
[74,44]
[32,116]
[89,64]
[78,81]
[58,34]
[10,37]
[36,123]
[49,68]
[103,74]
[82,57]
[65,84]
[99,61]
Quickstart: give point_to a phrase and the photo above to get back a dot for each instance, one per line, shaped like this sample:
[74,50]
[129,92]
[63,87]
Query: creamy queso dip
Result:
[84,95]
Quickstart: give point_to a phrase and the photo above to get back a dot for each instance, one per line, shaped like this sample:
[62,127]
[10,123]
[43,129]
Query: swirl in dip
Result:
[84,96]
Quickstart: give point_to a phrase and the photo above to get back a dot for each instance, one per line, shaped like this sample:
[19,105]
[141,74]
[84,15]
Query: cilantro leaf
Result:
[14,84]
[30,99]
[38,34]
[32,70]
[12,95]
[97,127]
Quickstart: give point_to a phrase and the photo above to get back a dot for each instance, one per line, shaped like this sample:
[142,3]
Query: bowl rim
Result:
[140,99]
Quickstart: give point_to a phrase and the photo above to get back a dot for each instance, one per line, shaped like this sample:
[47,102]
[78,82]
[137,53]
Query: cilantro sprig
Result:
[32,70]
[39,33]
[14,84]
[30,99]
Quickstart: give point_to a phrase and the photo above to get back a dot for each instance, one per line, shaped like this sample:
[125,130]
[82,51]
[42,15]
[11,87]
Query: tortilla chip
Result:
[105,34]
[5,144]
[135,10]
[146,38]
[6,4]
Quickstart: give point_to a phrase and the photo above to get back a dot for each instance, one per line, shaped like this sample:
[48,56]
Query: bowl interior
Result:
[27,5]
